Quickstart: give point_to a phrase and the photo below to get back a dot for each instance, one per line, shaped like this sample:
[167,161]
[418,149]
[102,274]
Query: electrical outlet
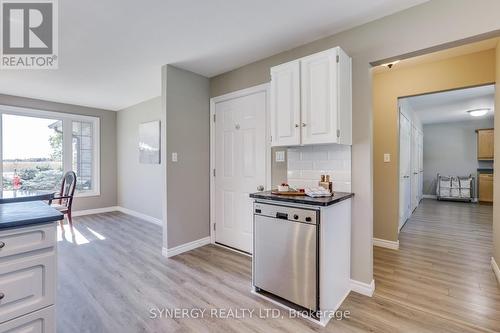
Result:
[174,157]
[387,158]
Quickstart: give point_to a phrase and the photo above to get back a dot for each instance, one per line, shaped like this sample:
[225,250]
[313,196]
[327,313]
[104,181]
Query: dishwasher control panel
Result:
[286,213]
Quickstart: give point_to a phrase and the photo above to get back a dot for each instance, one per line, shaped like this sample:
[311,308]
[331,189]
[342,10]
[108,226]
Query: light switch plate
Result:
[280,156]
[174,157]
[387,158]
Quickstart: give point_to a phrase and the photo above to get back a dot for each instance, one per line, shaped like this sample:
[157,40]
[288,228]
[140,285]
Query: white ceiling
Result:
[111,51]
[453,105]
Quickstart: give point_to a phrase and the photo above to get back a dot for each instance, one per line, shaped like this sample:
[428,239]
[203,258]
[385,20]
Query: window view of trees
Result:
[32,150]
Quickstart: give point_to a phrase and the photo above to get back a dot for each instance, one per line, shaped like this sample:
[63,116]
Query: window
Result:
[38,147]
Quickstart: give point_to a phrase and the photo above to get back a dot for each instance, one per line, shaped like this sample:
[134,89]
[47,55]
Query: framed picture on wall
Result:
[149,142]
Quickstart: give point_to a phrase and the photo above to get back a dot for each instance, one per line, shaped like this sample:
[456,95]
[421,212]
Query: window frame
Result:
[67,159]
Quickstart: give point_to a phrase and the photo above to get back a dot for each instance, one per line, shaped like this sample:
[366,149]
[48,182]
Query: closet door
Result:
[415,168]
[404,169]
[285,104]
[319,94]
[421,166]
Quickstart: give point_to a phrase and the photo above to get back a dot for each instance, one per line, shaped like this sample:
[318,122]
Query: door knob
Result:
[260,188]
[296,125]
[303,124]
[2,295]
[2,244]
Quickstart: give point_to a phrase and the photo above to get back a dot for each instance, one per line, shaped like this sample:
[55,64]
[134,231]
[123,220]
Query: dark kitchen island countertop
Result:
[304,200]
[21,214]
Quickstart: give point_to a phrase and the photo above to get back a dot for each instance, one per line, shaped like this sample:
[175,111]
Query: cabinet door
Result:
[42,321]
[486,187]
[485,139]
[319,98]
[285,104]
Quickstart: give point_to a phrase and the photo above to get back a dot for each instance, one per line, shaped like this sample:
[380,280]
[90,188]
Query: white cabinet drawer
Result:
[42,321]
[27,283]
[21,240]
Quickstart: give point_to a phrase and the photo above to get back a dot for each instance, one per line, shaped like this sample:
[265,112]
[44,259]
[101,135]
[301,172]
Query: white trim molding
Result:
[393,245]
[95,211]
[139,215]
[362,288]
[495,268]
[123,210]
[185,247]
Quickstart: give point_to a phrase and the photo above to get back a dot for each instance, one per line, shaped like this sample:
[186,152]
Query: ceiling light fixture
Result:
[478,112]
[390,64]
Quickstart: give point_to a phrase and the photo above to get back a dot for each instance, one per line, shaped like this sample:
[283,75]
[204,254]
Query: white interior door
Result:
[415,168]
[240,166]
[404,169]
[420,165]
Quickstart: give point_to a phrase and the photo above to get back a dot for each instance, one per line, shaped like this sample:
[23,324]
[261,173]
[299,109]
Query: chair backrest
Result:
[68,187]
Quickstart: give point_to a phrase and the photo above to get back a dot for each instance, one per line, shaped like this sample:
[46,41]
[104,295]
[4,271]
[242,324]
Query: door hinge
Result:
[338,58]
[338,133]
[215,226]
[214,118]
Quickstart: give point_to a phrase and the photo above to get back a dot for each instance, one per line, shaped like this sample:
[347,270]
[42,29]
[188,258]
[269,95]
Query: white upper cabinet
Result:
[285,104]
[320,108]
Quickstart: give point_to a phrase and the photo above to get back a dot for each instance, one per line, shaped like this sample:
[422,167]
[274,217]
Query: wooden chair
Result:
[64,199]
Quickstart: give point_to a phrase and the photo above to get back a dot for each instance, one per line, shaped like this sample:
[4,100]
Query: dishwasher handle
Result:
[282,216]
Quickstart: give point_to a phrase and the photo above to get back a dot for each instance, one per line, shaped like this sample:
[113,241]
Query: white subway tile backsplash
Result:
[307,164]
[300,165]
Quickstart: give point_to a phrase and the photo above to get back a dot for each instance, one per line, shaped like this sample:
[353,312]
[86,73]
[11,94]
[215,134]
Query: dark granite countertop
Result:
[19,214]
[304,200]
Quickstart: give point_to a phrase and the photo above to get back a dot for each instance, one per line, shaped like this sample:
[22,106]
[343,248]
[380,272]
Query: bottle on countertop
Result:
[325,182]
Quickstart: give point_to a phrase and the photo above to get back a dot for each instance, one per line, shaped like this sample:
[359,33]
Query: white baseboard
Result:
[393,245]
[362,288]
[124,210]
[495,268]
[185,247]
[94,211]
[142,216]
[429,196]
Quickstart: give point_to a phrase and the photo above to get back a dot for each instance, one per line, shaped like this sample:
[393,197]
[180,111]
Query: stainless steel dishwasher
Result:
[286,253]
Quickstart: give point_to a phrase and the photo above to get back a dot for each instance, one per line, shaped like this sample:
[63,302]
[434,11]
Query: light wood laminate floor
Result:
[111,273]
[443,264]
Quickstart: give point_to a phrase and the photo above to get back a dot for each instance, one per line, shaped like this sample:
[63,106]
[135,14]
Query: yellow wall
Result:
[496,181]
[462,71]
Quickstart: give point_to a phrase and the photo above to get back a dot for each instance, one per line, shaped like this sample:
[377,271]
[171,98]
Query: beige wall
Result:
[139,187]
[107,149]
[496,181]
[429,25]
[463,71]
[187,110]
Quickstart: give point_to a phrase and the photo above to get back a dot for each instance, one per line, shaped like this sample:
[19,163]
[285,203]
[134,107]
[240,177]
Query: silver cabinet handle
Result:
[260,188]
[2,244]
[296,125]
[303,124]
[2,295]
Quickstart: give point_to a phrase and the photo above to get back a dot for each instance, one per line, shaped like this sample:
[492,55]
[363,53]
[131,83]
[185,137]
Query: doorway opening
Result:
[433,141]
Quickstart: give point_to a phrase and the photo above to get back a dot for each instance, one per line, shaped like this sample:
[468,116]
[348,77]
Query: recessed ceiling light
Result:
[478,112]
[390,64]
